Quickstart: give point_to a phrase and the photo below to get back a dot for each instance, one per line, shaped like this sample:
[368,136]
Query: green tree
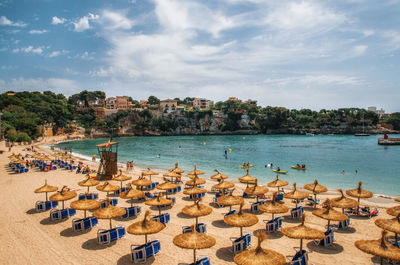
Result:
[153,100]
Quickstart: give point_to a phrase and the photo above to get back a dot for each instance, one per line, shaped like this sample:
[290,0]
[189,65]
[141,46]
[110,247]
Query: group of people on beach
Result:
[82,168]
[129,165]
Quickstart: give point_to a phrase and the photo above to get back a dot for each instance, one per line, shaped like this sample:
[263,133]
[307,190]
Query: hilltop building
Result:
[380,112]
[202,104]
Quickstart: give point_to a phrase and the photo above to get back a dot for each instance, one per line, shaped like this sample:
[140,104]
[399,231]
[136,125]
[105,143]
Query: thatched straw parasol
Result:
[259,255]
[223,185]
[107,187]
[142,182]
[46,188]
[343,202]
[380,248]
[302,232]
[109,212]
[150,173]
[159,201]
[394,211]
[195,172]
[392,225]
[247,178]
[230,200]
[197,210]
[316,189]
[132,194]
[273,207]
[176,169]
[328,213]
[256,190]
[194,240]
[145,227]
[219,176]
[277,183]
[121,177]
[167,186]
[63,195]
[85,205]
[89,182]
[295,194]
[194,190]
[241,219]
[173,175]
[195,181]
[359,192]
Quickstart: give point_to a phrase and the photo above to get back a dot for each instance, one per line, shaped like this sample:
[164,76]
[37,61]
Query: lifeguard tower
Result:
[108,153]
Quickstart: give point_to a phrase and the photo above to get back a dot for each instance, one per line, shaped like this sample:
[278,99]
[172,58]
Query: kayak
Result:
[301,168]
[246,166]
[280,171]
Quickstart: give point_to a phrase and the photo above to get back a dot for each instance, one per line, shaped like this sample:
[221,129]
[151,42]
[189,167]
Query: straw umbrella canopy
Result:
[256,190]
[109,212]
[194,240]
[159,201]
[195,181]
[46,188]
[316,189]
[277,183]
[359,192]
[273,207]
[392,225]
[121,177]
[176,169]
[195,172]
[142,182]
[343,202]
[85,205]
[63,195]
[132,194]
[247,178]
[173,174]
[167,186]
[259,255]
[107,187]
[380,248]
[302,232]
[223,185]
[89,182]
[328,213]
[219,176]
[241,219]
[295,194]
[394,211]
[145,227]
[230,200]
[194,190]
[197,210]
[150,172]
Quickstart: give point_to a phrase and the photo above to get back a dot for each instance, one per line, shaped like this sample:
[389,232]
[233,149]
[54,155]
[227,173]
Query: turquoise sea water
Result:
[325,156]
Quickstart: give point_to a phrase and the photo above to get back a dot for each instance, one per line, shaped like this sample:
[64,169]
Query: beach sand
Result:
[29,237]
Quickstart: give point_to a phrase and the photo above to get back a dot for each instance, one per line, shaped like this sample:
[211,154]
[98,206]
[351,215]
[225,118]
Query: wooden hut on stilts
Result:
[108,153]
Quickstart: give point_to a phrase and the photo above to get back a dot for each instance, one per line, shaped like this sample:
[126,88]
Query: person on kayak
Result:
[278,169]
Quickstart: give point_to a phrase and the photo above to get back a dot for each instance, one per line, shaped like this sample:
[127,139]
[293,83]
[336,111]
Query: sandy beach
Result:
[29,237]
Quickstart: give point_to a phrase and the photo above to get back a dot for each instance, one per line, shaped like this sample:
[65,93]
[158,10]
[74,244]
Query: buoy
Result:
[204,143]
[230,150]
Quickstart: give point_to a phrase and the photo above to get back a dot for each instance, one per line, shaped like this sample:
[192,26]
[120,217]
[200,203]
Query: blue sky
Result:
[296,54]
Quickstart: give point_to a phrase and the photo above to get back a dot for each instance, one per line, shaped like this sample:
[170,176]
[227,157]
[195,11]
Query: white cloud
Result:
[83,23]
[359,50]
[35,31]
[57,20]
[29,49]
[393,39]
[6,22]
[58,85]
[114,20]
[57,53]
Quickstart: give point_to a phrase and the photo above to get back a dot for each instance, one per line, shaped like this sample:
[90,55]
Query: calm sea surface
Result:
[325,156]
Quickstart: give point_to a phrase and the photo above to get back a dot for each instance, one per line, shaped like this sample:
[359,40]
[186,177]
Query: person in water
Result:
[278,169]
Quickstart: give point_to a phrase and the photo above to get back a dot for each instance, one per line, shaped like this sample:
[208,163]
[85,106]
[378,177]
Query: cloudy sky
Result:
[296,54]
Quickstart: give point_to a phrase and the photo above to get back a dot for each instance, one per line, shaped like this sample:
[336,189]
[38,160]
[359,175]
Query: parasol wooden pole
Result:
[273,216]
[88,189]
[131,202]
[315,200]
[194,256]
[241,231]
[197,221]
[297,201]
[84,213]
[46,196]
[230,208]
[159,210]
[110,224]
[301,244]
[63,204]
[329,223]
[145,238]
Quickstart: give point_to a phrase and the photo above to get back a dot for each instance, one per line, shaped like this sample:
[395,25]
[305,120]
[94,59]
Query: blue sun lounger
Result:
[200,227]
[279,197]
[344,224]
[255,206]
[197,196]
[273,225]
[104,203]
[139,254]
[229,213]
[84,223]
[105,237]
[241,243]
[297,212]
[131,211]
[57,214]
[118,192]
[89,196]
[327,240]
[202,261]
[300,258]
[162,218]
[42,206]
